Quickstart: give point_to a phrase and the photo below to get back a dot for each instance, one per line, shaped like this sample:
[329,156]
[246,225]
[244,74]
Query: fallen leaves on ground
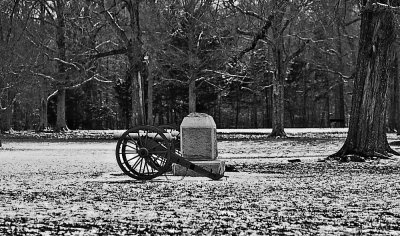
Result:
[288,199]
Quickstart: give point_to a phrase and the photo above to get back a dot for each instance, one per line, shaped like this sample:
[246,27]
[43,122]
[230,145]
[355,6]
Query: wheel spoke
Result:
[142,165]
[132,147]
[159,160]
[133,158]
[147,165]
[125,152]
[136,163]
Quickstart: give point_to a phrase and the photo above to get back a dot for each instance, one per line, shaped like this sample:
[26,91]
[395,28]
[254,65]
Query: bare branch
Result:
[110,53]
[260,35]
[95,77]
[77,66]
[44,76]
[52,95]
[118,30]
[226,74]
[344,77]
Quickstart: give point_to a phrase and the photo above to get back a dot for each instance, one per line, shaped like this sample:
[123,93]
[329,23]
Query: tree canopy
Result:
[113,64]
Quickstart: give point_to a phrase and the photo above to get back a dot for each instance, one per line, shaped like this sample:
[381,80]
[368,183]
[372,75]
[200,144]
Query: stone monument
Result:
[199,144]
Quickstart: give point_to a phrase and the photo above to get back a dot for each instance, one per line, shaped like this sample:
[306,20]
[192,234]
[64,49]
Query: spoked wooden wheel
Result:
[144,152]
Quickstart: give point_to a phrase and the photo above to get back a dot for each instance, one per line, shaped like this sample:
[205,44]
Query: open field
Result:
[52,187]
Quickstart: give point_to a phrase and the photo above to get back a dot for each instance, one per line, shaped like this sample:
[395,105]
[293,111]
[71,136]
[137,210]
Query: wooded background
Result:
[75,64]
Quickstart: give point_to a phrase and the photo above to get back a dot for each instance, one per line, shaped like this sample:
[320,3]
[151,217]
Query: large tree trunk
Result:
[278,109]
[393,96]
[43,120]
[397,89]
[61,122]
[278,81]
[367,129]
[138,114]
[135,55]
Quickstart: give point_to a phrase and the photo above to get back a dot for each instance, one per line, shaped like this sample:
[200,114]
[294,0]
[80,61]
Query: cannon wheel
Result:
[144,152]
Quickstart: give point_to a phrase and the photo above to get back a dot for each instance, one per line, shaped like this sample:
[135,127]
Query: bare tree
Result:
[132,42]
[273,32]
[367,130]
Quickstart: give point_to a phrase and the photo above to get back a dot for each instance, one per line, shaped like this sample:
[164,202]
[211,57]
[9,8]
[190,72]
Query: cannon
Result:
[145,152]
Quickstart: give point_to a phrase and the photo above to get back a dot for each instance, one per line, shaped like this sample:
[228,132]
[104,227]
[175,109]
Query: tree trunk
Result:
[6,118]
[304,110]
[392,98]
[339,100]
[366,137]
[61,123]
[397,93]
[254,112]
[339,106]
[268,108]
[278,80]
[278,108]
[150,89]
[192,95]
[43,121]
[135,51]
[238,95]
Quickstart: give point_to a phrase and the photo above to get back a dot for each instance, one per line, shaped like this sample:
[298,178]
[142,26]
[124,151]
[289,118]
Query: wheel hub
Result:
[143,152]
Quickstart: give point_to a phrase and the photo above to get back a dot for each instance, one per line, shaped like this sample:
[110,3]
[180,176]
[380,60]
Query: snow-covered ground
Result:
[76,188]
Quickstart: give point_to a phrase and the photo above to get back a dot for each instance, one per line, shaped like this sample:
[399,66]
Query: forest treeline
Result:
[109,64]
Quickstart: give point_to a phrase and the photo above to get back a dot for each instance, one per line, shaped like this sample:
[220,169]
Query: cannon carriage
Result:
[146,152]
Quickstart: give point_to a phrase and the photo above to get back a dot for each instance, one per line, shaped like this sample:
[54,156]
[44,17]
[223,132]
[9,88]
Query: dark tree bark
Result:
[192,95]
[278,80]
[254,111]
[366,137]
[238,97]
[393,97]
[6,118]
[135,57]
[43,120]
[339,100]
[397,95]
[150,91]
[61,123]
[268,107]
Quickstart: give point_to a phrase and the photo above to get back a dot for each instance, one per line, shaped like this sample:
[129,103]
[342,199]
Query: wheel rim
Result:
[143,152]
